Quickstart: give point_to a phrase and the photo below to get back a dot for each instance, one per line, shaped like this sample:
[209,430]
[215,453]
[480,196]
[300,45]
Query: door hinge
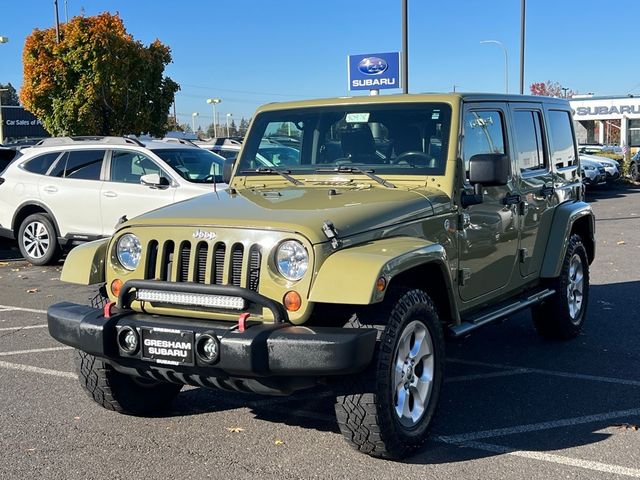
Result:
[464,274]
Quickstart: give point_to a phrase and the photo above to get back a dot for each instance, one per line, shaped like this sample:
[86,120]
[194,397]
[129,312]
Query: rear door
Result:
[535,183]
[71,190]
[123,194]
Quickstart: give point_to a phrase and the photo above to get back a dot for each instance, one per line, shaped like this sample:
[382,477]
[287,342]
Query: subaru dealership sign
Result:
[374,71]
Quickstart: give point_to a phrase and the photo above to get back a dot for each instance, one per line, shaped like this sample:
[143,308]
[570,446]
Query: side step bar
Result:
[503,311]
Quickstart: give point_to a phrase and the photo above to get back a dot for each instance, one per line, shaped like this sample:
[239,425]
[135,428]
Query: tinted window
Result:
[528,132]
[41,163]
[79,164]
[483,133]
[562,148]
[128,167]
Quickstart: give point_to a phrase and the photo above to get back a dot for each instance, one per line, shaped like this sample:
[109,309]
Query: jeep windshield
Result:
[410,139]
[193,164]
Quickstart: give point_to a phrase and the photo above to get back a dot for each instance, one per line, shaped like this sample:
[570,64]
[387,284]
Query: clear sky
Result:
[250,52]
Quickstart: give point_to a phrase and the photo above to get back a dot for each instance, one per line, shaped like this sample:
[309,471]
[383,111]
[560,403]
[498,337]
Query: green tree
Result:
[98,80]
[172,125]
[244,125]
[10,97]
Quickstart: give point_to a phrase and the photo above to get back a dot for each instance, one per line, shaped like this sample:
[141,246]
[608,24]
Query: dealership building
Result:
[597,119]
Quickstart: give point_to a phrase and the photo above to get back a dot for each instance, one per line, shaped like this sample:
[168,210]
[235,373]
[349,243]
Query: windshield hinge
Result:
[331,233]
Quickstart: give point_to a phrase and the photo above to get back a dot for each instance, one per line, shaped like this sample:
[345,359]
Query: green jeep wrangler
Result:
[388,224]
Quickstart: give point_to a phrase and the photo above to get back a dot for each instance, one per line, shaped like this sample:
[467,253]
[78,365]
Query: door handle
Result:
[50,189]
[547,191]
[110,194]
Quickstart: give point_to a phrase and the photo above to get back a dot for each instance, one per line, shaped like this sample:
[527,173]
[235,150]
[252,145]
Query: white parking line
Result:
[32,369]
[9,308]
[35,350]
[552,458]
[537,427]
[480,376]
[577,376]
[28,327]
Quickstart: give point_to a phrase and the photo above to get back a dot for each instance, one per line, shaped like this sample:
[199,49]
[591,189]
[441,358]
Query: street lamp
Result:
[228,117]
[214,102]
[506,62]
[2,40]
[193,121]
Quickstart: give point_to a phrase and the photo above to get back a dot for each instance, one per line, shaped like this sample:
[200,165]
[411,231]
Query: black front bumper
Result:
[273,358]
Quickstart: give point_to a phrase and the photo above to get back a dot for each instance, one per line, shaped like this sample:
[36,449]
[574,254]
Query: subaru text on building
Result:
[406,219]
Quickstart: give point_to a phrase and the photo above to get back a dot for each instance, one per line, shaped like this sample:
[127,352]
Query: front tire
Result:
[634,172]
[38,240]
[119,392]
[389,408]
[562,316]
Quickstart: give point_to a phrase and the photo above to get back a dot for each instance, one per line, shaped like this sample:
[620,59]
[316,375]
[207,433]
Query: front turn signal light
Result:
[292,301]
[116,287]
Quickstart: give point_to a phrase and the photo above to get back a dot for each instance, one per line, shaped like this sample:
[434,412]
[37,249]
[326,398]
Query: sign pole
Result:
[405,49]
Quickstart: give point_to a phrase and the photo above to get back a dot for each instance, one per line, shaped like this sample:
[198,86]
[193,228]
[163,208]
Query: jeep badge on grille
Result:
[204,235]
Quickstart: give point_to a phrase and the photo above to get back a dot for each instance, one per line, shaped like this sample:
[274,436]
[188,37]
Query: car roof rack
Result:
[183,141]
[47,142]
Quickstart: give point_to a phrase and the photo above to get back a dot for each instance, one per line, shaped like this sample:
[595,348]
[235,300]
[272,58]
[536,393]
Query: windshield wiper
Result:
[282,173]
[354,169]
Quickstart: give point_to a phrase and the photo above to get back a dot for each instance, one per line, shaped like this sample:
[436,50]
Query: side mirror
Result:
[486,170]
[154,180]
[227,170]
[489,169]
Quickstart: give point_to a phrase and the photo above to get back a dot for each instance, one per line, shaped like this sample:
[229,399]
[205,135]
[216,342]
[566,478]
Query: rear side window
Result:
[41,163]
[528,132]
[563,153]
[80,164]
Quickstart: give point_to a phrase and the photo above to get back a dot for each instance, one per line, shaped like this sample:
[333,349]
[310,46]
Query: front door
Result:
[488,231]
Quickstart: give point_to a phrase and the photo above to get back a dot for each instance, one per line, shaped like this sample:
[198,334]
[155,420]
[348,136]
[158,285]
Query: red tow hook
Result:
[242,321]
[107,309]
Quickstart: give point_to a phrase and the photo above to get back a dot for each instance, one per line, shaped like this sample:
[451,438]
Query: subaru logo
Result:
[201,234]
[373,66]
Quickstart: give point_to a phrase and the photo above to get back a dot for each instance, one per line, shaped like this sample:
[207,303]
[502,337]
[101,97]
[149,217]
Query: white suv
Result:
[68,190]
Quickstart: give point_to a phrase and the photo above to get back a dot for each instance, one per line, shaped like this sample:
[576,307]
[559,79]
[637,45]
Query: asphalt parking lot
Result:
[514,406]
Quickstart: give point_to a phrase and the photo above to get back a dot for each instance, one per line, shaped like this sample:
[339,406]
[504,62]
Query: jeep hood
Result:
[299,209]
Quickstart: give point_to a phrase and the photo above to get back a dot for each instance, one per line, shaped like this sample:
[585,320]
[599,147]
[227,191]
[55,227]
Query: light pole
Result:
[2,40]
[193,121]
[214,102]
[523,8]
[506,62]
[228,117]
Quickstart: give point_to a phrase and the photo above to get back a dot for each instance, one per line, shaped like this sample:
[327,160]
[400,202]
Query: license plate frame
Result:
[167,346]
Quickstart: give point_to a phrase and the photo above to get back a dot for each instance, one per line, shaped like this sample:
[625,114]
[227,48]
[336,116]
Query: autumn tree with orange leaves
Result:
[97,81]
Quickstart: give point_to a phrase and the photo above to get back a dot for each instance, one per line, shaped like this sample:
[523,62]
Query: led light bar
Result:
[191,299]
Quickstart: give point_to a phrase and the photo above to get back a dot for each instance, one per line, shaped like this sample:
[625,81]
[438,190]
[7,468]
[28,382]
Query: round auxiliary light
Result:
[208,348]
[129,251]
[128,340]
[292,260]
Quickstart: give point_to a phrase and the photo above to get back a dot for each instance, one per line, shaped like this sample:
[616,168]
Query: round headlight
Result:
[129,251]
[292,260]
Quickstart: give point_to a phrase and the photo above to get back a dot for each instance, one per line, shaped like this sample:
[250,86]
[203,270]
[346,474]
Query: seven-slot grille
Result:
[204,262]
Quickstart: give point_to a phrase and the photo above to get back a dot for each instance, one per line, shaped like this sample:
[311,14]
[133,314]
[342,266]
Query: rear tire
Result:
[634,172]
[387,410]
[562,316]
[122,393]
[38,240]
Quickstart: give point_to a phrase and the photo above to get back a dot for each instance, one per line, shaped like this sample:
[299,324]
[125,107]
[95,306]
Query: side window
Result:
[128,167]
[483,133]
[41,164]
[79,164]
[530,149]
[563,151]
